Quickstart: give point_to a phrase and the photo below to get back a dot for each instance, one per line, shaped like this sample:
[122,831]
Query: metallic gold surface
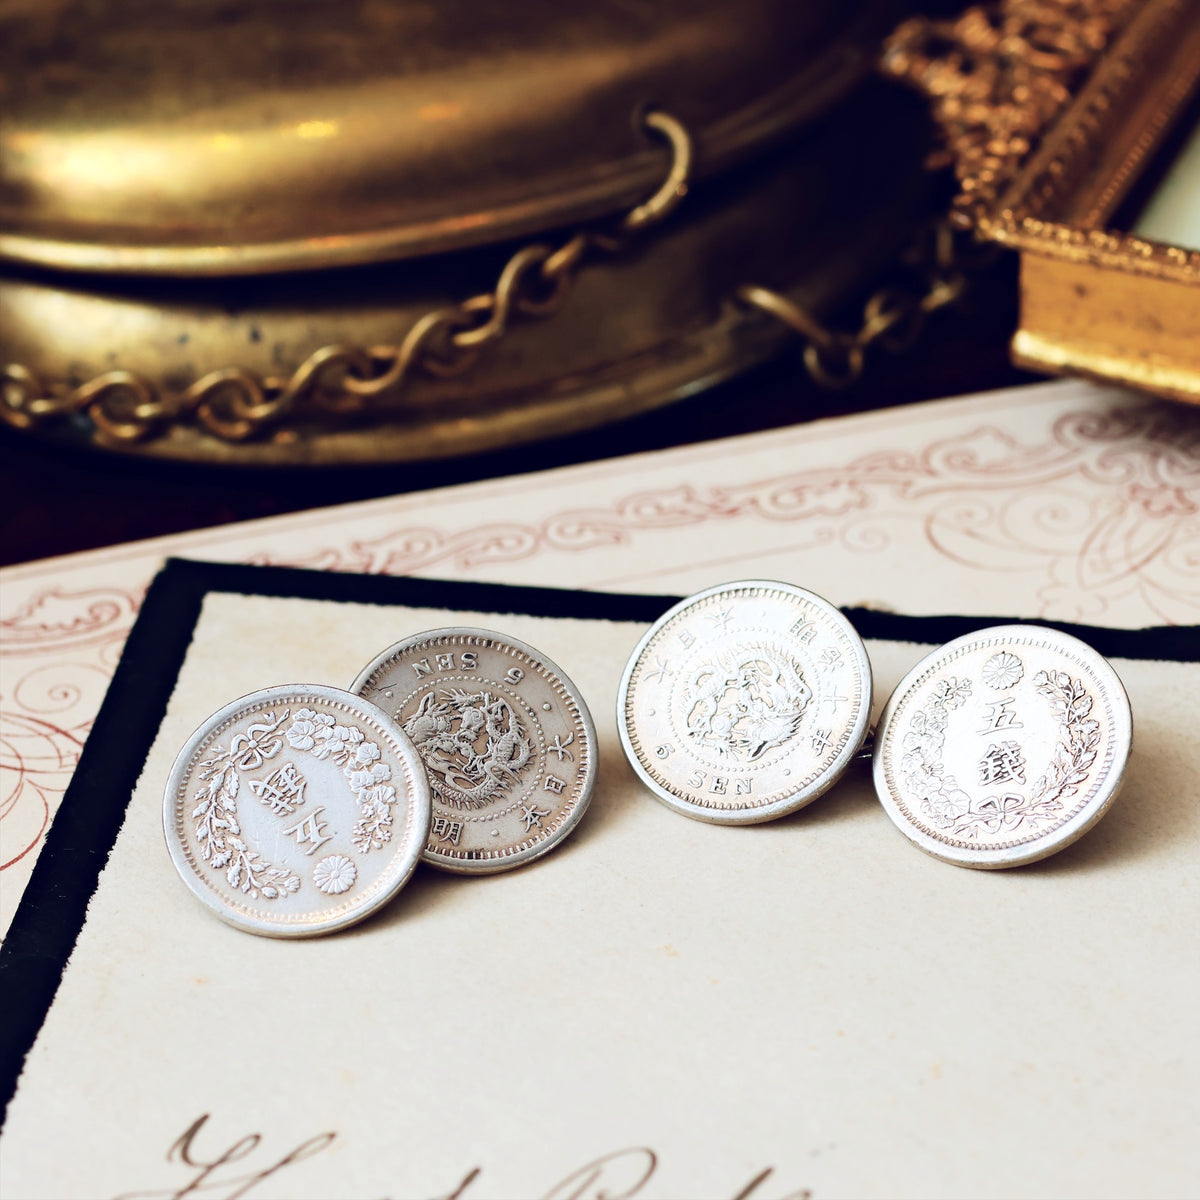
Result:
[998,75]
[1051,110]
[1082,318]
[209,138]
[891,318]
[235,403]
[637,326]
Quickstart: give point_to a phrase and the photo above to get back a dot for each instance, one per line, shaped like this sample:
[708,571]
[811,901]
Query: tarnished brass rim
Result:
[649,322]
[235,404]
[715,147]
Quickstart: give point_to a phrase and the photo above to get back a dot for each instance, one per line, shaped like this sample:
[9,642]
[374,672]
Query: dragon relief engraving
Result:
[746,701]
[473,744]
[952,810]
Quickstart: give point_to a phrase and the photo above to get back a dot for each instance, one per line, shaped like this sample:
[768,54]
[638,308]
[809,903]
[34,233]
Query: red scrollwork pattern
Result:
[1104,508]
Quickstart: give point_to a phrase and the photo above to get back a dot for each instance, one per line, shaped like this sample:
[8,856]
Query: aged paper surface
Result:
[1064,500]
[695,1005]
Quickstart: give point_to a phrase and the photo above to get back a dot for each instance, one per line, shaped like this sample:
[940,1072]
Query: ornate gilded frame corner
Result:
[1050,110]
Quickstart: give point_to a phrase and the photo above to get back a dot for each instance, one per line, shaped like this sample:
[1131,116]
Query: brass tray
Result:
[204,138]
[298,234]
[638,329]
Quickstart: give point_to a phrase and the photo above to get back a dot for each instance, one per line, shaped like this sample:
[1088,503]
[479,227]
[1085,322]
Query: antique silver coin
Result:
[296,810]
[745,702]
[506,739]
[1003,746]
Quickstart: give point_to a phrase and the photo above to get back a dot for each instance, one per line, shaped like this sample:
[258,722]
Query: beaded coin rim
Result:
[792,801]
[1121,740]
[521,857]
[406,854]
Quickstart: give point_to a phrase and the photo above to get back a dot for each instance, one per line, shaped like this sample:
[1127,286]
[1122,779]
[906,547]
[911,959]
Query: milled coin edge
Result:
[420,799]
[1059,839]
[531,854]
[786,804]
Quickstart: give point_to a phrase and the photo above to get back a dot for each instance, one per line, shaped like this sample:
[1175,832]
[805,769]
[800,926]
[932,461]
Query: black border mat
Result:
[54,906]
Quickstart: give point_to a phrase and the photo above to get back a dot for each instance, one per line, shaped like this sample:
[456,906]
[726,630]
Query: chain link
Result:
[892,317]
[236,404]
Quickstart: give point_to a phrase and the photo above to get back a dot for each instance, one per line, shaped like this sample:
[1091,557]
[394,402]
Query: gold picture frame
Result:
[1051,112]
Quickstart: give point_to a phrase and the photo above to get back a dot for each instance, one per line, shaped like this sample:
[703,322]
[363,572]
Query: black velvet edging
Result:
[1167,643]
[54,906]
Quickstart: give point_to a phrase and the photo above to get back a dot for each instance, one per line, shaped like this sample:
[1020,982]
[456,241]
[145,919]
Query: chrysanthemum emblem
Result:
[1002,671]
[335,874]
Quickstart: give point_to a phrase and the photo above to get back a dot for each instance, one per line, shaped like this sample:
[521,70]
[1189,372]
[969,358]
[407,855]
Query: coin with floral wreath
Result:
[296,810]
[1003,746]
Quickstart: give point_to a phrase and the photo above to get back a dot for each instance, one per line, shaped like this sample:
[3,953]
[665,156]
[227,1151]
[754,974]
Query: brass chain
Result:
[892,317]
[235,404]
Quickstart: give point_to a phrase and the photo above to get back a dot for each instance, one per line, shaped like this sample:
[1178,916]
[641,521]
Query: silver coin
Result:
[1003,746]
[296,810]
[507,741]
[745,702]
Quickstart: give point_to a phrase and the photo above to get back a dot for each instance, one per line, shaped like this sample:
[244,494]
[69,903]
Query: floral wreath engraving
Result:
[217,828]
[472,743]
[951,809]
[322,737]
[745,702]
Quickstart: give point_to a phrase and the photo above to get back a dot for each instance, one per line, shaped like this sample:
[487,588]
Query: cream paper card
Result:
[1064,501]
[660,1008]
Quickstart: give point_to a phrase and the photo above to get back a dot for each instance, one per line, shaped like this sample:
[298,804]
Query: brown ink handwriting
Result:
[620,1175]
[208,1177]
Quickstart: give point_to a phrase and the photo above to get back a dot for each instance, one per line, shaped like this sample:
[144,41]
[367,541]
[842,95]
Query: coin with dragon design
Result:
[1003,746]
[745,702]
[296,810]
[506,739]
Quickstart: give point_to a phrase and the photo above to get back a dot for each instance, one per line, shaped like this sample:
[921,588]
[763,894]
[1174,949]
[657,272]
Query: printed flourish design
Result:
[1099,509]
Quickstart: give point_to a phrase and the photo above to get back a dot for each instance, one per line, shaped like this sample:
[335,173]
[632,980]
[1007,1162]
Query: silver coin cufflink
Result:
[506,739]
[745,702]
[296,811]
[1002,747]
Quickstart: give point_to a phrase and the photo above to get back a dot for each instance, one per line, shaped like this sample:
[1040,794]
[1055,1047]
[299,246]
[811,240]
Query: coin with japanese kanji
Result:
[1003,746]
[296,810]
[745,702]
[506,739]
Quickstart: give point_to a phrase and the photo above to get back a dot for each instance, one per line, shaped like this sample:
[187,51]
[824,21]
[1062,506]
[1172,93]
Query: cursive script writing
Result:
[226,1174]
[209,1174]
